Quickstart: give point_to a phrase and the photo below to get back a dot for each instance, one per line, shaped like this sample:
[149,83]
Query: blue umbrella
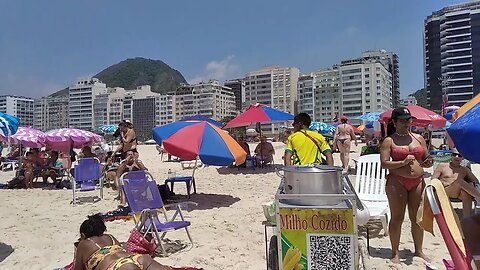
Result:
[8,124]
[465,133]
[322,128]
[200,117]
[109,129]
[370,116]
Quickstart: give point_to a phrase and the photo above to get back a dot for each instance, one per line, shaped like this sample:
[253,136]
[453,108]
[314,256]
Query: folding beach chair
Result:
[144,200]
[86,174]
[370,188]
[460,261]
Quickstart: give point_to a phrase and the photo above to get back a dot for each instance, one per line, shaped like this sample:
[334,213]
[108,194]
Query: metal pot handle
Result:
[278,173]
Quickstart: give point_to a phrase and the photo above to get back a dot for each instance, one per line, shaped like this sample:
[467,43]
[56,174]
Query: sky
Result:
[46,46]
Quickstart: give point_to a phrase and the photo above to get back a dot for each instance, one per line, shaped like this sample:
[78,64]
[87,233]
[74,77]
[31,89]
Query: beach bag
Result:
[165,192]
[137,243]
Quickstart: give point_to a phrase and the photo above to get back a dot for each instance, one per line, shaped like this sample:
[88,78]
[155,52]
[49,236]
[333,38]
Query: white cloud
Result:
[218,70]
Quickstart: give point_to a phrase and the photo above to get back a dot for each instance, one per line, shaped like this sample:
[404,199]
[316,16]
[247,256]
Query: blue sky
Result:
[47,45]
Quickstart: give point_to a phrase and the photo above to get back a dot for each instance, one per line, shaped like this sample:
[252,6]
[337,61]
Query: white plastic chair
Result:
[370,187]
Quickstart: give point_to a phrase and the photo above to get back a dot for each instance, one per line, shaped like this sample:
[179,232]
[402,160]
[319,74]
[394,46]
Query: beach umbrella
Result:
[467,106]
[200,117]
[27,137]
[322,128]
[258,113]
[191,139]
[361,128]
[424,117]
[465,132]
[108,129]
[370,116]
[449,115]
[8,124]
[63,138]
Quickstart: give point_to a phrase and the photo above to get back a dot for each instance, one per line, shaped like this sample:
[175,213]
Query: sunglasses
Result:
[456,155]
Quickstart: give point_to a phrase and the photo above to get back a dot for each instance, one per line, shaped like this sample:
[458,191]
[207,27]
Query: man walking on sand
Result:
[305,146]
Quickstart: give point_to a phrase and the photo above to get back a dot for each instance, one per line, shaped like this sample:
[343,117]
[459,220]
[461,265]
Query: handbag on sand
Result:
[137,243]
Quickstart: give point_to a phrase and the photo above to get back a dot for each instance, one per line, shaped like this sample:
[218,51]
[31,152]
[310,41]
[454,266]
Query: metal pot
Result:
[313,179]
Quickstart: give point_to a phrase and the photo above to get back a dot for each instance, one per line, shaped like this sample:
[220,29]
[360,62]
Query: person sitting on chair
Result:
[100,251]
[245,147]
[52,169]
[131,163]
[87,152]
[459,182]
[264,152]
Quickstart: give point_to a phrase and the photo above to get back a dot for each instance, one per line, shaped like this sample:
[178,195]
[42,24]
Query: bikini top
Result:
[400,153]
[99,255]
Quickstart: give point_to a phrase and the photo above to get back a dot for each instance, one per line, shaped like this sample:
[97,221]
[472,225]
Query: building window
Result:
[367,75]
[367,69]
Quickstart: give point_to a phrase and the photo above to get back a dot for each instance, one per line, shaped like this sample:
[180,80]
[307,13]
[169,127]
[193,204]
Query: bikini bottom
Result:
[407,182]
[342,141]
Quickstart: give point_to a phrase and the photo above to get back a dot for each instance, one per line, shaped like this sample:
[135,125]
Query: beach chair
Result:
[9,164]
[190,164]
[460,261]
[86,174]
[370,188]
[145,202]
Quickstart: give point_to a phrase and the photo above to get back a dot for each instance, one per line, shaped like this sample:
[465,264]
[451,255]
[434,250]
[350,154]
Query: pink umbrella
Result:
[62,139]
[27,137]
[424,117]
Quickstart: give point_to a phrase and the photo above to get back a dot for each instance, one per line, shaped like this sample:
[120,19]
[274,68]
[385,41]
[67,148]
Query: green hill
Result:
[138,71]
[421,96]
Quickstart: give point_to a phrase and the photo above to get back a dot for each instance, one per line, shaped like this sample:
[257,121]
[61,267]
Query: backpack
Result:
[165,192]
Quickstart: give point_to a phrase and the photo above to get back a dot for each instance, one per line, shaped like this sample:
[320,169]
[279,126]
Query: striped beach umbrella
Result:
[8,124]
[322,128]
[28,137]
[191,139]
[108,129]
[62,139]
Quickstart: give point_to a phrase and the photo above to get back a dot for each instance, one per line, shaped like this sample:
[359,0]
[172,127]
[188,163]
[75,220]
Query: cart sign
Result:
[316,238]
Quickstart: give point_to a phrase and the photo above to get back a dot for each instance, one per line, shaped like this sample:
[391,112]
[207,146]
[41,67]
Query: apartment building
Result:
[20,107]
[108,106]
[366,86]
[164,106]
[409,100]
[306,95]
[452,54]
[238,89]
[51,112]
[328,96]
[81,100]
[274,86]
[210,99]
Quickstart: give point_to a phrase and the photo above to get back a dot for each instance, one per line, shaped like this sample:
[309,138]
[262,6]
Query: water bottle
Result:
[170,174]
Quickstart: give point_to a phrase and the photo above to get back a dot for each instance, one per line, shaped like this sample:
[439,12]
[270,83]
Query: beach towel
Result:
[425,214]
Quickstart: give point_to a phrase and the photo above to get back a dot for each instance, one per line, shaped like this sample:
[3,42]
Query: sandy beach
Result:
[38,227]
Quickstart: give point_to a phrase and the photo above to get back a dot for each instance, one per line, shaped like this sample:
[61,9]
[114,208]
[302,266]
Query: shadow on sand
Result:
[5,251]
[235,170]
[207,201]
[406,255]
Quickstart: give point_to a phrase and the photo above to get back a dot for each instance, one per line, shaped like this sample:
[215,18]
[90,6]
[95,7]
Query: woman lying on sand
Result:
[100,251]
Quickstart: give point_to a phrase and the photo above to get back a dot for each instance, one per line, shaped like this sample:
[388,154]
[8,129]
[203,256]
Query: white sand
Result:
[40,225]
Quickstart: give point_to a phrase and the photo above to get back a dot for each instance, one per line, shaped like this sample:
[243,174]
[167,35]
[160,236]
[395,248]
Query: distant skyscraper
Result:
[452,54]
[21,107]
[409,100]
[51,113]
[390,61]
[81,99]
[238,89]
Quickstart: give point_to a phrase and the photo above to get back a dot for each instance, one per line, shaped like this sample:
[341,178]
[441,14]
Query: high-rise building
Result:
[273,86]
[51,113]
[409,100]
[238,89]
[366,86]
[81,100]
[20,107]
[210,99]
[390,61]
[144,117]
[108,107]
[165,109]
[306,95]
[452,54]
[328,96]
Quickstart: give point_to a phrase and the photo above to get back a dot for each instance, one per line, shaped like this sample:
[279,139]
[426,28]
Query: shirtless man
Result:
[342,139]
[459,182]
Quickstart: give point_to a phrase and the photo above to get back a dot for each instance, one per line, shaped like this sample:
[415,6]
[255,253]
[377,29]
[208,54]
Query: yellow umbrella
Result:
[361,127]
[467,106]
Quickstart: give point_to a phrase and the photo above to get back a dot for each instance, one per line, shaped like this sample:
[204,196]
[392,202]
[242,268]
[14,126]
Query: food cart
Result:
[315,231]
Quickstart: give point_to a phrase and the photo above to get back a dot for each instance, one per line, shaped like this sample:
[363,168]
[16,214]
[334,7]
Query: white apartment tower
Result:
[273,86]
[306,95]
[81,101]
[20,107]
[366,86]
[210,99]
[51,113]
[108,107]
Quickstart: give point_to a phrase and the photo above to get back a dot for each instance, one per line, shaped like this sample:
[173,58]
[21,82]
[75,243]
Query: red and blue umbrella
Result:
[200,117]
[258,113]
[191,139]
[465,132]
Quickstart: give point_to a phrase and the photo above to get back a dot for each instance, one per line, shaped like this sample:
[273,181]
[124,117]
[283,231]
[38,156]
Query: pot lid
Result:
[312,168]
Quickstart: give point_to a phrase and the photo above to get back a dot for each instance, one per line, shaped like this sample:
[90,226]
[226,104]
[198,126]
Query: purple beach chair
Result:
[145,202]
[86,174]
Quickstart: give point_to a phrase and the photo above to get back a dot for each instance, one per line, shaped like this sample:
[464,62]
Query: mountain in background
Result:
[421,96]
[138,71]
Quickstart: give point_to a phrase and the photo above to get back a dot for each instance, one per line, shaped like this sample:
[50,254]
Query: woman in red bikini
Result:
[404,154]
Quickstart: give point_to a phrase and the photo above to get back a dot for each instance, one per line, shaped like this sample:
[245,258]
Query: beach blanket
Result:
[121,213]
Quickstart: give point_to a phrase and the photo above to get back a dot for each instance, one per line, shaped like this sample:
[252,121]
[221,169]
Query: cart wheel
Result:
[273,254]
